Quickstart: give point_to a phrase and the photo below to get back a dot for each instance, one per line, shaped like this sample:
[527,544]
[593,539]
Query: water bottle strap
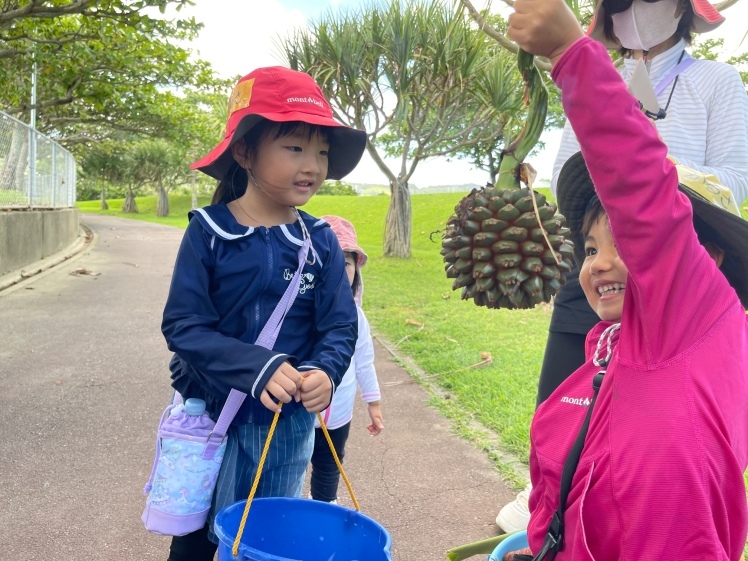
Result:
[229,411]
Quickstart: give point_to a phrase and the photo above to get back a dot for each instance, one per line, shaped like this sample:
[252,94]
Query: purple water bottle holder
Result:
[187,460]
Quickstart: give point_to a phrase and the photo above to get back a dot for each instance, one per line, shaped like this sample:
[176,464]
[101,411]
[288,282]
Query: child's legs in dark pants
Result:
[192,547]
[564,353]
[325,474]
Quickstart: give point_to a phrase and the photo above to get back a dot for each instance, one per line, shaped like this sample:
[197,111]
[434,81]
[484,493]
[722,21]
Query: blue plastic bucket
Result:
[283,529]
[512,543]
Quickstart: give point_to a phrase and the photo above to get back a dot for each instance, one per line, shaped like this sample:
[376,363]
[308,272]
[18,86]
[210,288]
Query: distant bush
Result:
[337,188]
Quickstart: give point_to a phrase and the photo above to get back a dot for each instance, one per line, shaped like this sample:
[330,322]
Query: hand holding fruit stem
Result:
[544,27]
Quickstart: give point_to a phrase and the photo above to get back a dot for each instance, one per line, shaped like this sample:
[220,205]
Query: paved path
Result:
[83,381]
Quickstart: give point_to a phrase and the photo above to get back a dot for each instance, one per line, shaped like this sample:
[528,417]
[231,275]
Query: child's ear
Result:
[241,154]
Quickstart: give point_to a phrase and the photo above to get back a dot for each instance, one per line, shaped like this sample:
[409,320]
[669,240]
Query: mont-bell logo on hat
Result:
[307,99]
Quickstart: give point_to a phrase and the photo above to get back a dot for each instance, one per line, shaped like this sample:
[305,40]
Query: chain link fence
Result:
[35,171]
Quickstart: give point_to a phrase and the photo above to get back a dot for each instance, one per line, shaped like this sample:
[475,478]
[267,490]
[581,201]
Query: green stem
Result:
[483,547]
[508,172]
[537,99]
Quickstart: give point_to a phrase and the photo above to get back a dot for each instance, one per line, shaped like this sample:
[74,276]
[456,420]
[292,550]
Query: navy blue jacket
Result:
[227,281]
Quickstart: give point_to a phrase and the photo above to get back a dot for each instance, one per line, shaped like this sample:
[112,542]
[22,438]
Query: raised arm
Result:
[650,219]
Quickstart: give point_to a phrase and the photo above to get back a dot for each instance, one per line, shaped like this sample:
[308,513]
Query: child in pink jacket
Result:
[665,267]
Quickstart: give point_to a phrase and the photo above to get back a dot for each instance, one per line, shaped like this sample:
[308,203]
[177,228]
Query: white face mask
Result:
[645,25]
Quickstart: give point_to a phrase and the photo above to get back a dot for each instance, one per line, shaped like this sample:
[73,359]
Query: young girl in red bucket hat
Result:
[640,453]
[703,120]
[325,476]
[233,267]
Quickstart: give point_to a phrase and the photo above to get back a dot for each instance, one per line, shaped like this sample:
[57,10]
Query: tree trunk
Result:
[162,209]
[130,206]
[397,225]
[15,162]
[104,205]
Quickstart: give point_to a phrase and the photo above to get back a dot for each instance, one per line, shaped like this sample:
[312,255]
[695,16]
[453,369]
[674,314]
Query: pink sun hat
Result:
[346,234]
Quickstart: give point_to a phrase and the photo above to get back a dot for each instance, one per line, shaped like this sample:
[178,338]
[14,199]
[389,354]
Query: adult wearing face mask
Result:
[704,122]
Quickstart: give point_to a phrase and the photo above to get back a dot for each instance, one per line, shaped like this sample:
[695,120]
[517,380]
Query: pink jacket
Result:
[661,474]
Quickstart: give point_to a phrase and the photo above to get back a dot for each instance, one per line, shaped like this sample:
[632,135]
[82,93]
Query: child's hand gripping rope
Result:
[284,385]
[314,390]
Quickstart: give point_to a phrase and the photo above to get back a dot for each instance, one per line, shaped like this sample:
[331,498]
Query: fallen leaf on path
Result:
[80,271]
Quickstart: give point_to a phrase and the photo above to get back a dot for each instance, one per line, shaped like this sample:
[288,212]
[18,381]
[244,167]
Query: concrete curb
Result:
[85,240]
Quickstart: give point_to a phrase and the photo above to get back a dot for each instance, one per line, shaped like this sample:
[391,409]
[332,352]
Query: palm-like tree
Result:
[410,74]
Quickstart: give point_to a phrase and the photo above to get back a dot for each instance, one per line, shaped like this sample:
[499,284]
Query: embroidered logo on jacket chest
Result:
[583,401]
[307,280]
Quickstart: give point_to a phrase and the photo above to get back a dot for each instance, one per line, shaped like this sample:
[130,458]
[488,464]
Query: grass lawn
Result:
[401,294]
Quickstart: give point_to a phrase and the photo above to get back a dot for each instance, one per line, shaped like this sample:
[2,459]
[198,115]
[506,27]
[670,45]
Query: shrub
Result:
[337,188]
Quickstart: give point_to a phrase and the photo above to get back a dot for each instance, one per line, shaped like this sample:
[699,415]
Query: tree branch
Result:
[371,149]
[503,41]
[12,53]
[725,4]
[36,9]
[49,103]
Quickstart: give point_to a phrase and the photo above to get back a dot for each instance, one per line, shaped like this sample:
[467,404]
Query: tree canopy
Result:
[114,82]
[102,67]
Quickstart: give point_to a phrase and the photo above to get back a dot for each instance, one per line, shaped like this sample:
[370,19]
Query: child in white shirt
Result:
[337,417]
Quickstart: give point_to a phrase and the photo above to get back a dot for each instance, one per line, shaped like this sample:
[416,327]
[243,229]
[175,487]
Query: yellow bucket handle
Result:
[240,531]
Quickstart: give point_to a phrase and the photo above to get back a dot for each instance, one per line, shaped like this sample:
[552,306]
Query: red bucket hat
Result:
[280,94]
[706,18]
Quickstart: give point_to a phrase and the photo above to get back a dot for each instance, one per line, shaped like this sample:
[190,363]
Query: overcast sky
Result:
[239,35]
